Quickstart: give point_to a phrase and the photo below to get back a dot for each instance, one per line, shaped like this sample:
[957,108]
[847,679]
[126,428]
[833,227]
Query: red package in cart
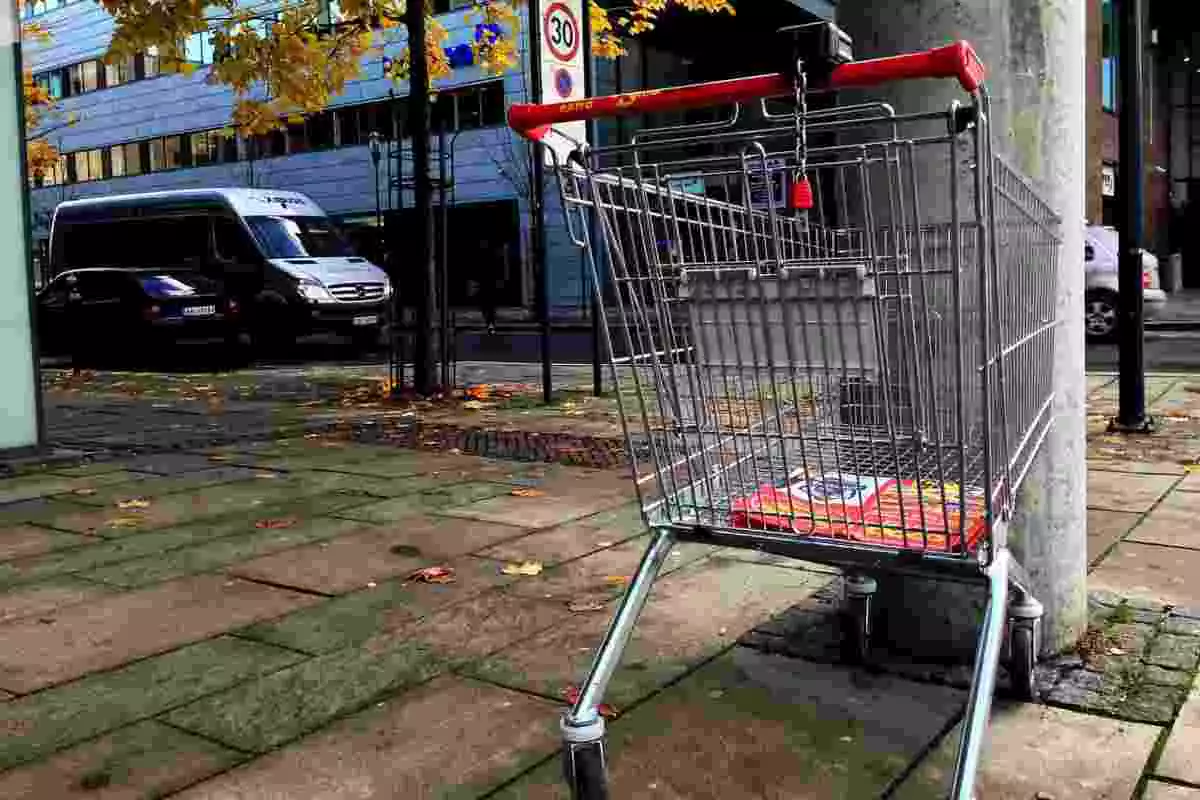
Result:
[866,508]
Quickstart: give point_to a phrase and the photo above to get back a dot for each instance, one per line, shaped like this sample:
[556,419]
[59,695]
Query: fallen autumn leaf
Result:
[571,694]
[524,568]
[272,524]
[585,605]
[133,503]
[433,575]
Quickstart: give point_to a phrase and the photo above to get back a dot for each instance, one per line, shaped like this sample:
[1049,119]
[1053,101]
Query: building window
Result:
[84,77]
[52,82]
[1108,62]
[165,153]
[204,149]
[442,6]
[55,174]
[491,104]
[296,140]
[126,159]
[198,49]
[118,72]
[151,68]
[441,113]
[347,127]
[319,131]
[89,166]
[268,145]
[227,144]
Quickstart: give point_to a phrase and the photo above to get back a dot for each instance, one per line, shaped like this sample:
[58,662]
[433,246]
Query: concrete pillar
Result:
[1051,523]
[19,392]
[1034,51]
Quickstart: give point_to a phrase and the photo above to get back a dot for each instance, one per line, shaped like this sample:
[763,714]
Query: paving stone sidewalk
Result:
[239,619]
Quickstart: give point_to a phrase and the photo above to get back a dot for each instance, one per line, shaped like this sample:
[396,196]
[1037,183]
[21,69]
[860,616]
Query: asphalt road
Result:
[1165,351]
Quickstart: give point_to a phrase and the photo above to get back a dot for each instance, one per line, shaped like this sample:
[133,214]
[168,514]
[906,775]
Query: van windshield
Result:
[299,237]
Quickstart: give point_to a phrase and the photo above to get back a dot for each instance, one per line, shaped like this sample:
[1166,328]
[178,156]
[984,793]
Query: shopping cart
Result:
[831,332]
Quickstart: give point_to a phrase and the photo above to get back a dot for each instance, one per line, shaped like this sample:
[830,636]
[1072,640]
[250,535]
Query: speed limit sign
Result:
[562,32]
[562,50]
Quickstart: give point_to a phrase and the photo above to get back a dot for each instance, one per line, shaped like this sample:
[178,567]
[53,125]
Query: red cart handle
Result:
[957,60]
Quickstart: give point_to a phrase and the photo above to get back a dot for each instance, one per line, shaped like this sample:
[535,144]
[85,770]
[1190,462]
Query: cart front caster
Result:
[856,618]
[584,770]
[1024,642]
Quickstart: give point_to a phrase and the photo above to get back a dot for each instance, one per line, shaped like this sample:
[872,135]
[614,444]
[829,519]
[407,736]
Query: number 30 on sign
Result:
[562,53]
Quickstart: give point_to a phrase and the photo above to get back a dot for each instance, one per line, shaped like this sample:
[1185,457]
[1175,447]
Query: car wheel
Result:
[1100,315]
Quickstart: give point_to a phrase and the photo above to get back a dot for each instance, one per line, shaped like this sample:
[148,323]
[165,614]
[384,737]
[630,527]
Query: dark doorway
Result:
[483,250]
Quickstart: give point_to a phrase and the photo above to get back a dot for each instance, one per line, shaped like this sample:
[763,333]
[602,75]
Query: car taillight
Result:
[1147,281]
[152,312]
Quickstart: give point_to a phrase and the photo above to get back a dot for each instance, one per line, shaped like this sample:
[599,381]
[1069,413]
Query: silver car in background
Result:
[1101,259]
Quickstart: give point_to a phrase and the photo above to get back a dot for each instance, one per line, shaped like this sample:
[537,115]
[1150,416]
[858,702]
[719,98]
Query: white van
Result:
[277,253]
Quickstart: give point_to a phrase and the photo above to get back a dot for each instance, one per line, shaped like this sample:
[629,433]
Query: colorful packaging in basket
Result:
[864,508]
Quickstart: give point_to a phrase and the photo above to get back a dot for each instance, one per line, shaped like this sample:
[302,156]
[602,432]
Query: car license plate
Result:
[199,311]
[369,319]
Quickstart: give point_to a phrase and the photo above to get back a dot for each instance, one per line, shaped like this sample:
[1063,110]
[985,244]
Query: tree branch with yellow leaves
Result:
[281,61]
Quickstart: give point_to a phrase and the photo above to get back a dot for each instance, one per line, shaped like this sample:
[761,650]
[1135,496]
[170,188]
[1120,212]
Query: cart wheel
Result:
[1022,660]
[584,767]
[856,629]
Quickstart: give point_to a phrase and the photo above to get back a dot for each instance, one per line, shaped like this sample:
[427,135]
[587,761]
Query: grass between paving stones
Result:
[670,639]
[1136,662]
[103,552]
[263,714]
[28,487]
[429,502]
[34,726]
[147,760]
[49,595]
[277,708]
[149,485]
[328,491]
[212,555]
[715,733]
[353,619]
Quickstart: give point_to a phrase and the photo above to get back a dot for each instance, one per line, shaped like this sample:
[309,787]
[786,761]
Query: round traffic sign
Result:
[563,83]
[561,31]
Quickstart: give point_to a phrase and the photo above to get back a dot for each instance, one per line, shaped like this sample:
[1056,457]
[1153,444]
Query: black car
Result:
[132,312]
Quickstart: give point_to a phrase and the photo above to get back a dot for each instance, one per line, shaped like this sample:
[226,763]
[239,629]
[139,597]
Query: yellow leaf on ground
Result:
[523,492]
[584,605]
[133,503]
[524,568]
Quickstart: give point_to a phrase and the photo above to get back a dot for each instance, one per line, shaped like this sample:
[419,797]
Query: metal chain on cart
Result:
[801,198]
[800,112]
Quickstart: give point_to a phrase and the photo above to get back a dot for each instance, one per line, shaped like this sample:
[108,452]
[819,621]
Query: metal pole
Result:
[1131,182]
[589,89]
[443,246]
[537,221]
[422,233]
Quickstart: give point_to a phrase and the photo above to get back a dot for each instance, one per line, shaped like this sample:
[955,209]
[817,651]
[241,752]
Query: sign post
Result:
[20,426]
[563,73]
[537,216]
